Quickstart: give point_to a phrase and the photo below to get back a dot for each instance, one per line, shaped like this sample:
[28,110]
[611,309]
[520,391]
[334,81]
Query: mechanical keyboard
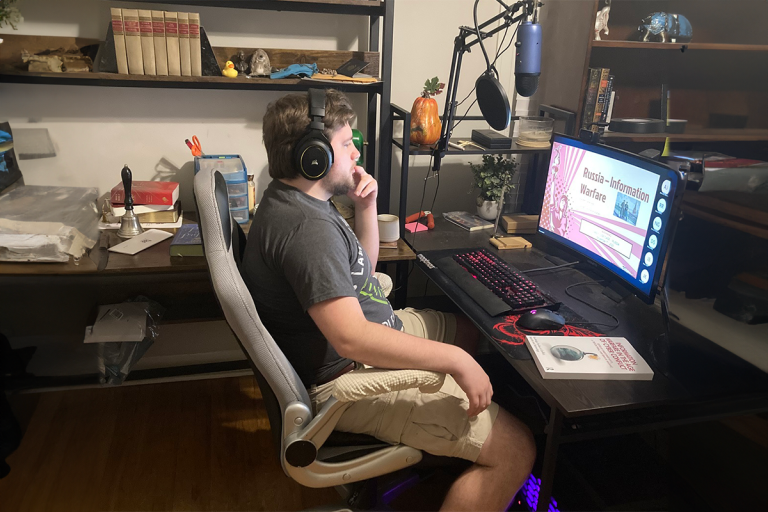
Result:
[494,284]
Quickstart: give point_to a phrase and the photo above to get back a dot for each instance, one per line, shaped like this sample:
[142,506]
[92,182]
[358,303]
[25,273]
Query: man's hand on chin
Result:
[366,188]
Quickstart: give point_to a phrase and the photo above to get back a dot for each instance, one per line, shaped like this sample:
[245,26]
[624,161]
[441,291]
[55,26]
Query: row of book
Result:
[157,42]
[598,99]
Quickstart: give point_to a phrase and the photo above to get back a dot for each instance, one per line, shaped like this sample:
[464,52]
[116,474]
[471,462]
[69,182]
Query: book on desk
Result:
[587,358]
[187,242]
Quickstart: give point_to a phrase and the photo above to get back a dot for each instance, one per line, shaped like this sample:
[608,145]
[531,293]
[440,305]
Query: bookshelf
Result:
[380,15]
[717,81]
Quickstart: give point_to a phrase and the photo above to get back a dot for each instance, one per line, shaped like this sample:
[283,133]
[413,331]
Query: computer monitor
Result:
[615,209]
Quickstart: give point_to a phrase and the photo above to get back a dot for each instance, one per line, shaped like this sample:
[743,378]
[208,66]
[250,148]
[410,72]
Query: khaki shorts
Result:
[434,422]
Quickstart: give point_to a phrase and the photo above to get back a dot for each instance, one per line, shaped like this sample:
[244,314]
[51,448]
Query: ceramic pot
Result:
[488,210]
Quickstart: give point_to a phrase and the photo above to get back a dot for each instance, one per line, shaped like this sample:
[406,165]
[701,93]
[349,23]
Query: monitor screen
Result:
[611,206]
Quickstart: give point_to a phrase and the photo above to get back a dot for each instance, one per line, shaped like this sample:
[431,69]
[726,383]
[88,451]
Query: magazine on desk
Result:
[587,358]
[467,221]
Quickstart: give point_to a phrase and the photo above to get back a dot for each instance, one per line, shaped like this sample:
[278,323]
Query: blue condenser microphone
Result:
[527,58]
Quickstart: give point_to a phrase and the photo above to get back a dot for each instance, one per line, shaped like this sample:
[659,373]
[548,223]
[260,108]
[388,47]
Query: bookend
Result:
[106,58]
[210,65]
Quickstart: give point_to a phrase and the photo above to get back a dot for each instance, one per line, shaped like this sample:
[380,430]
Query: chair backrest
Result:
[223,243]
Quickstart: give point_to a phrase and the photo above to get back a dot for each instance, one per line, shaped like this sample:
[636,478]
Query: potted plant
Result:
[9,15]
[493,178]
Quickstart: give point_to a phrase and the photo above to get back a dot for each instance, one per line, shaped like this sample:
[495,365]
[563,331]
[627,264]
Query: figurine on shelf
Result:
[241,63]
[260,65]
[229,70]
[601,22]
[676,27]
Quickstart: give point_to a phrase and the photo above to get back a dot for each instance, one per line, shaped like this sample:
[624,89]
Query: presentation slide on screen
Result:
[599,203]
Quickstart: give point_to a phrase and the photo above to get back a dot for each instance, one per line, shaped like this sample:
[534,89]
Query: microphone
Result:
[527,58]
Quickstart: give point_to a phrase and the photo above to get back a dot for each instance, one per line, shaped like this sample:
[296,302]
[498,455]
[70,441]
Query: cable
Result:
[567,292]
[550,268]
[480,38]
[434,198]
[421,205]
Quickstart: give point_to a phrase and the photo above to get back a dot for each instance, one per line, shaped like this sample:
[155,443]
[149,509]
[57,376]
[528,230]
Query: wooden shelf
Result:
[639,45]
[354,7]
[176,82]
[693,135]
[715,209]
[515,149]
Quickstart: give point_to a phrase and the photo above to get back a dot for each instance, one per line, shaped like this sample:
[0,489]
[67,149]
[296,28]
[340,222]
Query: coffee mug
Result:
[389,227]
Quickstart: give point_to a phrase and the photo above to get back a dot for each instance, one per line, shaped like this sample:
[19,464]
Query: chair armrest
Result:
[369,382]
[301,445]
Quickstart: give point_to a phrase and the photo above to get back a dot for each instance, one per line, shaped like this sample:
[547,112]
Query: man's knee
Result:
[515,444]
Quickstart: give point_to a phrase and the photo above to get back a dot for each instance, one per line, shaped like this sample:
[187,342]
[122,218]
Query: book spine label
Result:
[184,58]
[133,41]
[172,43]
[600,103]
[147,45]
[119,34]
[590,97]
[158,38]
[610,107]
[195,52]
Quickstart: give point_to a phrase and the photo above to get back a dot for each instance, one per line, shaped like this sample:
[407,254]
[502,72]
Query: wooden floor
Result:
[196,445]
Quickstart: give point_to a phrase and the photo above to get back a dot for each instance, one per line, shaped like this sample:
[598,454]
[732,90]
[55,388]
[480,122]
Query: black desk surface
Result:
[640,324]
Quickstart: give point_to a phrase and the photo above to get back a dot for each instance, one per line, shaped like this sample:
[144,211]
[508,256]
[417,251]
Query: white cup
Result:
[389,227]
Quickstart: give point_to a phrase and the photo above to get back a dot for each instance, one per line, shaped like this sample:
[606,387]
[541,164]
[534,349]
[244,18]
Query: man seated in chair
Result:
[312,280]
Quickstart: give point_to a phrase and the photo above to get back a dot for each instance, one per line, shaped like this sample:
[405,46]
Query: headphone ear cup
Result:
[314,155]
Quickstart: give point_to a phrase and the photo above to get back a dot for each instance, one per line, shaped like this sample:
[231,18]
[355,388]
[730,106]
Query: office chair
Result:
[310,451]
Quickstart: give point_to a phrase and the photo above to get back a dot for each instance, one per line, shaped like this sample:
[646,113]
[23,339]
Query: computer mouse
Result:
[540,320]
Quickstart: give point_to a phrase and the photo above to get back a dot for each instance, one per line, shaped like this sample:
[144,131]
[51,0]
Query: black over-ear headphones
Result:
[313,154]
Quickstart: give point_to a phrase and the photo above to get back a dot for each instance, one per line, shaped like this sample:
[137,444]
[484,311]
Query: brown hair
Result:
[286,121]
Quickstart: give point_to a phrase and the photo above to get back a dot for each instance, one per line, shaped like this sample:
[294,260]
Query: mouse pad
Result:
[501,329]
[511,338]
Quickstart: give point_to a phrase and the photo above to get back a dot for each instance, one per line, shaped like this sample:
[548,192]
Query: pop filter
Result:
[493,101]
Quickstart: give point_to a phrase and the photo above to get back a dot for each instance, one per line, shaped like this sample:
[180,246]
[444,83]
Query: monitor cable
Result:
[542,269]
[583,283]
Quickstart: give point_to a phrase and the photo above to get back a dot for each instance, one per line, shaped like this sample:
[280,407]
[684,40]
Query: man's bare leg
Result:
[503,466]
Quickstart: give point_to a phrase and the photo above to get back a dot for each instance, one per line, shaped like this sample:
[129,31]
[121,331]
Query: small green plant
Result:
[9,15]
[492,176]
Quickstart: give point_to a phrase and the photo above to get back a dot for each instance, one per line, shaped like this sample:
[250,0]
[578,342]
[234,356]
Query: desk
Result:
[56,301]
[708,386]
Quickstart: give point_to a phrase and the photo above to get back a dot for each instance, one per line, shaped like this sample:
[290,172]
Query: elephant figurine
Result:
[601,21]
[674,27]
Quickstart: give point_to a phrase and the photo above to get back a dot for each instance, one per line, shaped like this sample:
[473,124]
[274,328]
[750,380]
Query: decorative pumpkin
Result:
[425,119]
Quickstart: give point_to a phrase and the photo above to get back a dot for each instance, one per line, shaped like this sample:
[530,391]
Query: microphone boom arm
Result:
[460,46]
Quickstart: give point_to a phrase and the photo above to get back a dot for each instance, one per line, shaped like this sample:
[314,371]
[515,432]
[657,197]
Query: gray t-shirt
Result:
[301,251]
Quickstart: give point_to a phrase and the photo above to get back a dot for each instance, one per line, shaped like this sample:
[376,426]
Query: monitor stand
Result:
[616,291]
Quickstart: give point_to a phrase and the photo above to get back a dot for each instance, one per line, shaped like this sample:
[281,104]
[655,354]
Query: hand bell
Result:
[129,223]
